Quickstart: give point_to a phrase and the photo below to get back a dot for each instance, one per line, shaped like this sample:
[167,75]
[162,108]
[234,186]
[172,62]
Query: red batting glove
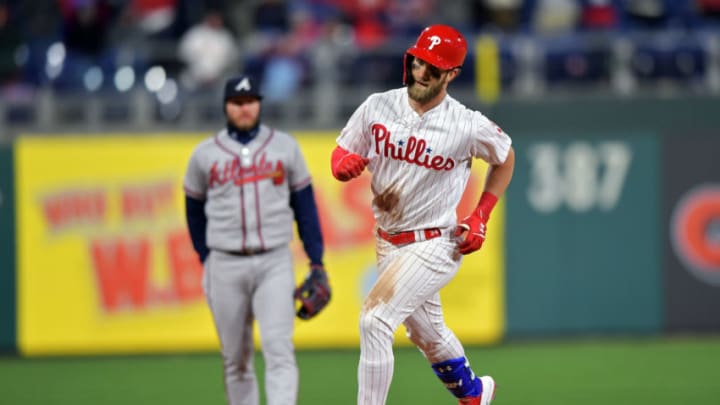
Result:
[346,165]
[475,225]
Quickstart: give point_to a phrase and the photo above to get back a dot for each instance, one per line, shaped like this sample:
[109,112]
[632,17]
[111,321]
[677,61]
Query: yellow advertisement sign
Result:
[105,263]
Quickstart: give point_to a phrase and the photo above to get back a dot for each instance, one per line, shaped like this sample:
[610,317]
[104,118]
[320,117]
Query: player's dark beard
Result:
[423,95]
[245,133]
[246,127]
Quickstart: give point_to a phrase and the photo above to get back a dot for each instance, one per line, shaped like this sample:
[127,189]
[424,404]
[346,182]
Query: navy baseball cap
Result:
[244,85]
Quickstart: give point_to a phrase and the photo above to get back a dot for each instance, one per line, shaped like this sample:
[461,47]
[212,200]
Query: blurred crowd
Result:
[96,45]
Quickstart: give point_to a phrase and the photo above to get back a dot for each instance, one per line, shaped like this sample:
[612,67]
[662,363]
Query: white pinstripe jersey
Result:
[246,188]
[420,164]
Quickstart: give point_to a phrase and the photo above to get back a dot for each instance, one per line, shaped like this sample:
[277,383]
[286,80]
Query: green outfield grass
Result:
[588,372]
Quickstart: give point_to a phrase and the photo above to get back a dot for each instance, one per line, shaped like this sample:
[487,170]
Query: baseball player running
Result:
[243,187]
[419,143]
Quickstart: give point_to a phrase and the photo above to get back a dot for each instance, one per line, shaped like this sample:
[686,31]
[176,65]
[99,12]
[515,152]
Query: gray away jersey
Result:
[246,188]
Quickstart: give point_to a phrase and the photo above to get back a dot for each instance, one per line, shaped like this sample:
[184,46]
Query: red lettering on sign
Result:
[147,201]
[693,234]
[122,269]
[82,207]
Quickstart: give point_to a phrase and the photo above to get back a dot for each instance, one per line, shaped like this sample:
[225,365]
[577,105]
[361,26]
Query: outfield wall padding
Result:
[7,251]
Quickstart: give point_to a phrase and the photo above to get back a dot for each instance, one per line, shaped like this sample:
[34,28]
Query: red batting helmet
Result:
[439,45]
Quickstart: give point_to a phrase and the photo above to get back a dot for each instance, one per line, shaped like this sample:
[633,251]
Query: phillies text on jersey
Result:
[420,164]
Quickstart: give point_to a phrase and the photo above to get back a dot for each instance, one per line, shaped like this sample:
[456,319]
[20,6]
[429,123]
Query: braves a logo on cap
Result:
[434,40]
[244,84]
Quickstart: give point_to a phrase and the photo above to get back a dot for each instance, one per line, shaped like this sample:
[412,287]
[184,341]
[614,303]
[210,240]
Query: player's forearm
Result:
[499,176]
[197,225]
[304,208]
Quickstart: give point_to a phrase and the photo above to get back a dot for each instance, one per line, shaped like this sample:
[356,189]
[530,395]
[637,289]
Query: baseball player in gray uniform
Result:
[419,143]
[244,186]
